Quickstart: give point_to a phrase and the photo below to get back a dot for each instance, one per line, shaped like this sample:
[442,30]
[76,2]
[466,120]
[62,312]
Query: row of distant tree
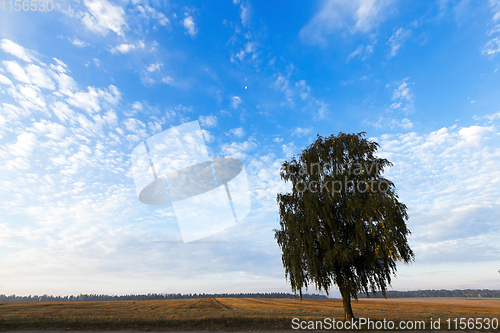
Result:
[94,297]
[439,293]
[483,293]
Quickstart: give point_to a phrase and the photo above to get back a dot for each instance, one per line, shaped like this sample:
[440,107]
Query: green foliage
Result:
[342,223]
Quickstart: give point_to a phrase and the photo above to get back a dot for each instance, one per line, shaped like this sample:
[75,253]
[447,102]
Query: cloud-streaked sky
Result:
[83,84]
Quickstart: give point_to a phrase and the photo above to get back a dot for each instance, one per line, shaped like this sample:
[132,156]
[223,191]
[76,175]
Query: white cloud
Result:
[472,249]
[250,49]
[62,111]
[474,135]
[125,48]
[282,83]
[368,51]
[5,80]
[322,110]
[489,117]
[59,66]
[245,13]
[361,52]
[356,52]
[397,40]
[168,80]
[264,177]
[11,112]
[31,74]
[289,149]
[134,125]
[491,47]
[17,71]
[28,96]
[24,145]
[92,100]
[495,8]
[304,89]
[65,83]
[188,23]
[153,74]
[50,129]
[33,94]
[154,67]
[148,12]
[71,163]
[354,15]
[137,105]
[402,97]
[238,132]
[111,118]
[208,121]
[300,89]
[299,131]
[16,50]
[391,123]
[207,136]
[78,42]
[103,16]
[449,179]
[235,102]
[18,163]
[39,77]
[238,150]
[402,92]
[406,123]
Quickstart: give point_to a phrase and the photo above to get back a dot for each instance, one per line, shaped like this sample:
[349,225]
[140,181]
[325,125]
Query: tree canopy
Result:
[342,224]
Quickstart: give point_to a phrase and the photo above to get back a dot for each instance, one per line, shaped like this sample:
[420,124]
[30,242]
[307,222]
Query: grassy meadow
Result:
[227,314]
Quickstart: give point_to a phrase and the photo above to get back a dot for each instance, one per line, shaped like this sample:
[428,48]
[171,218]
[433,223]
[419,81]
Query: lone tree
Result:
[342,223]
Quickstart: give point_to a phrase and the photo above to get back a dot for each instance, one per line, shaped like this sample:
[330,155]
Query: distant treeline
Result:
[438,293]
[483,293]
[92,297]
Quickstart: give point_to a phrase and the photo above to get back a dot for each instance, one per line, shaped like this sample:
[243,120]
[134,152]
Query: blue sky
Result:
[83,84]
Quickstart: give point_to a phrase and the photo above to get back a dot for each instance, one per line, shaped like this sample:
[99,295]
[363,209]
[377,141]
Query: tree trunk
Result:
[346,301]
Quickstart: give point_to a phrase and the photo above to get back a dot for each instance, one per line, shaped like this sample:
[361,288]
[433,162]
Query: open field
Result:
[230,314]
[469,302]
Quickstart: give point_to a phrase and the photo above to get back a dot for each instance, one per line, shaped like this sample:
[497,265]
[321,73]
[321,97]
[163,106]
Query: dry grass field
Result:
[228,314]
